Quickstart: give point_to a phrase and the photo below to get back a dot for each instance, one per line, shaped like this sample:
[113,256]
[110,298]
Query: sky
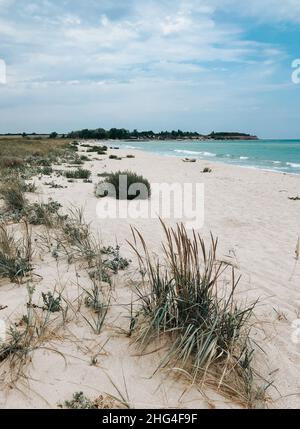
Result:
[198,65]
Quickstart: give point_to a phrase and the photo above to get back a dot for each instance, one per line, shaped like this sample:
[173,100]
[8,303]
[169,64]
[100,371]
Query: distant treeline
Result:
[123,134]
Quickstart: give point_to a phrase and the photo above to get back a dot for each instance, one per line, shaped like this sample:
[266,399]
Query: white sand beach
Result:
[258,227]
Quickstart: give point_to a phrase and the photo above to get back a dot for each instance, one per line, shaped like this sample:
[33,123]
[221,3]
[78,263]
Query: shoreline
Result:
[266,164]
[212,162]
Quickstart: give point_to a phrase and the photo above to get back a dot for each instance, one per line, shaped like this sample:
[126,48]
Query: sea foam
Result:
[293,165]
[191,152]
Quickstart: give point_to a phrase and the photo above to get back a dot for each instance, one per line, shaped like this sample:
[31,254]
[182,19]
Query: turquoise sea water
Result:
[276,155]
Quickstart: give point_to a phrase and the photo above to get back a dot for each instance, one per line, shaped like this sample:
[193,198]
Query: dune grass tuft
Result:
[13,196]
[98,300]
[181,300]
[15,255]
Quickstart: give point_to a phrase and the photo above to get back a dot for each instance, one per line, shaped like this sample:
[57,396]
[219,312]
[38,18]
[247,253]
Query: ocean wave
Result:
[208,154]
[293,165]
[191,152]
[244,158]
[225,155]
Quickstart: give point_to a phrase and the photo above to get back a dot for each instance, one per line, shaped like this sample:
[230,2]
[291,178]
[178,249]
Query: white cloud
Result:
[157,57]
[153,38]
[71,20]
[175,24]
[274,10]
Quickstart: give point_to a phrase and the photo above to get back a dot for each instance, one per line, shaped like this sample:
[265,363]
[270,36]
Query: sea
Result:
[272,155]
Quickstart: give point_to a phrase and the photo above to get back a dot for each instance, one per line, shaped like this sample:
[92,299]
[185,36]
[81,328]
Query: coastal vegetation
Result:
[183,304]
[124,185]
[15,254]
[13,195]
[16,152]
[102,402]
[123,134]
[78,174]
[115,157]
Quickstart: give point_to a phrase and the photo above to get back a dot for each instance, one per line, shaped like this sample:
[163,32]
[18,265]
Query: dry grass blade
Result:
[123,399]
[15,255]
[13,196]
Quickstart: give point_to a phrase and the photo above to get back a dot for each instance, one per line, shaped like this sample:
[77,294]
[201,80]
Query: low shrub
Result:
[79,402]
[102,150]
[102,402]
[42,213]
[124,185]
[76,161]
[43,162]
[46,171]
[114,260]
[78,174]
[51,304]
